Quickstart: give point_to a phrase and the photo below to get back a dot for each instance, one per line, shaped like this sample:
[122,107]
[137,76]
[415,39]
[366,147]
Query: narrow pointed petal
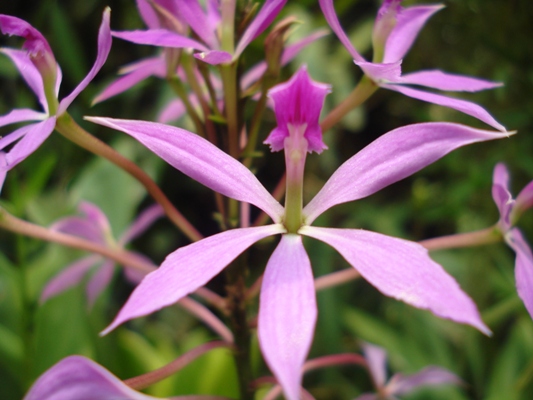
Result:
[187,269]
[444,81]
[35,136]
[3,169]
[99,281]
[402,270]
[79,378]
[104,46]
[429,376]
[142,223]
[382,72]
[79,226]
[333,21]
[214,57]
[21,115]
[70,276]
[199,159]
[29,72]
[262,20]
[193,13]
[136,73]
[501,195]
[173,111]
[376,357]
[147,13]
[523,267]
[392,157]
[160,38]
[35,41]
[524,200]
[95,215]
[464,106]
[287,313]
[410,21]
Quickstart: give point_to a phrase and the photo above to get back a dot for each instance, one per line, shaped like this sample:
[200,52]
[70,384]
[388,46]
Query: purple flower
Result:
[206,25]
[42,74]
[94,226]
[395,30]
[400,384]
[287,314]
[510,210]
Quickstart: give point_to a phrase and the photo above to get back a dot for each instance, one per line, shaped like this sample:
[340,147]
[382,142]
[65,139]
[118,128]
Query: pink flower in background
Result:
[94,226]
[400,384]
[395,30]
[206,25]
[42,74]
[287,314]
[510,209]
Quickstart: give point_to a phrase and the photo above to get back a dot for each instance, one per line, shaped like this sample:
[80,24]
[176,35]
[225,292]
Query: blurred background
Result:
[487,39]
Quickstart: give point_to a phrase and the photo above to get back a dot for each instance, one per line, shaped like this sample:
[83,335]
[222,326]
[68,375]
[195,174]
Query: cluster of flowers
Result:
[287,312]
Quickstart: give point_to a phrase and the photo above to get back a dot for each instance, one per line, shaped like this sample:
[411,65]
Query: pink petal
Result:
[104,46]
[333,21]
[394,156]
[136,73]
[187,269]
[142,223]
[70,276]
[429,376]
[20,115]
[96,216]
[79,226]
[410,21]
[173,111]
[214,57]
[287,313]
[99,281]
[29,72]
[148,15]
[3,169]
[523,267]
[193,13]
[35,136]
[79,378]
[501,195]
[382,72]
[376,357]
[464,106]
[160,38]
[524,200]
[199,159]
[35,41]
[444,81]
[262,20]
[403,270]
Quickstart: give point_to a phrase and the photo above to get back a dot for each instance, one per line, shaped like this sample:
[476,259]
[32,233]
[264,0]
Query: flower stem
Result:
[72,131]
[359,95]
[229,79]
[143,381]
[11,223]
[469,239]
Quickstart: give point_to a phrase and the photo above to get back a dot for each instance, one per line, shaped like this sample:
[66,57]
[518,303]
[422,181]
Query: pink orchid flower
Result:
[206,24]
[400,384]
[39,69]
[395,30]
[287,313]
[94,226]
[510,209]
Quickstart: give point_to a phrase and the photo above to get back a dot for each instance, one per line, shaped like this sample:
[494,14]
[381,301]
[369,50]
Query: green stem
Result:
[359,95]
[229,79]
[177,86]
[469,239]
[72,131]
